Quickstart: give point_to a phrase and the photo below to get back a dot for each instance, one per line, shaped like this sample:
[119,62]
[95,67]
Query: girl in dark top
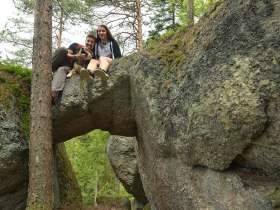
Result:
[106,49]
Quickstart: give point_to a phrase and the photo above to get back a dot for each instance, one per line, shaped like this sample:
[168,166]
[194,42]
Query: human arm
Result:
[73,50]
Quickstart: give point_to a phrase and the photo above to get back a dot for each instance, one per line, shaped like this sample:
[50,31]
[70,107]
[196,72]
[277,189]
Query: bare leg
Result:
[92,65]
[104,63]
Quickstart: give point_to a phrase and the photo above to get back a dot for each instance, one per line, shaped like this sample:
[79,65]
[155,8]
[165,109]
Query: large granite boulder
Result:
[13,147]
[122,157]
[102,105]
[203,105]
[216,113]
[13,162]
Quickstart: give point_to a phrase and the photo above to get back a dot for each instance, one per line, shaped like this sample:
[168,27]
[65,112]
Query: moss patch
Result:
[174,51]
[15,86]
[274,197]
[23,73]
[68,183]
[170,50]
[147,207]
[111,200]
[38,205]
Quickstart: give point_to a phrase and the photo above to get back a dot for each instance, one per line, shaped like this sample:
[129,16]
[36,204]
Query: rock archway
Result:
[204,106]
[105,106]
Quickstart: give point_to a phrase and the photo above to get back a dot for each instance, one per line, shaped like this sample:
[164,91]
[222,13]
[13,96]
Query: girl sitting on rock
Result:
[106,49]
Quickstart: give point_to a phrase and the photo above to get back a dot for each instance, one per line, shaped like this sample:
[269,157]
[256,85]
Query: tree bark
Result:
[41,186]
[190,12]
[139,24]
[173,10]
[61,22]
[96,187]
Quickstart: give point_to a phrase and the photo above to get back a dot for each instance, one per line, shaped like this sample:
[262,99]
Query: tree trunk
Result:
[61,22]
[41,189]
[139,24]
[96,186]
[173,10]
[190,12]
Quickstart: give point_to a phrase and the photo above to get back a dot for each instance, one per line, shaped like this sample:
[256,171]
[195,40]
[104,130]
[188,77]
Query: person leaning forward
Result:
[63,61]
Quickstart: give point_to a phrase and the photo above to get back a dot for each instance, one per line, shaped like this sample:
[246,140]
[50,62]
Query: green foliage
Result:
[163,20]
[201,6]
[39,205]
[25,5]
[168,34]
[164,17]
[22,72]
[90,162]
[18,30]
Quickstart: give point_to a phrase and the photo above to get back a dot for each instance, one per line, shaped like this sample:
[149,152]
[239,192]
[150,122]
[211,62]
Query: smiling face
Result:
[90,42]
[102,33]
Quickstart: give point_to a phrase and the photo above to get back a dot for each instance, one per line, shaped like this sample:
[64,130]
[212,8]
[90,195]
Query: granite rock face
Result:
[14,150]
[219,112]
[122,157]
[101,105]
[13,162]
[203,105]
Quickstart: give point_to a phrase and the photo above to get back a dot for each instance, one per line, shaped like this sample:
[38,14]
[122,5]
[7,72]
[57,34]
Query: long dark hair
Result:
[108,33]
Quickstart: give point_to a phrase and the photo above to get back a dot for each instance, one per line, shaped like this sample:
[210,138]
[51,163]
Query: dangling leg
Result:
[92,65]
[104,65]
[58,82]
[86,73]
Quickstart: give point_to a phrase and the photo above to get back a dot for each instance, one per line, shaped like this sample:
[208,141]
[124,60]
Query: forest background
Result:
[134,23]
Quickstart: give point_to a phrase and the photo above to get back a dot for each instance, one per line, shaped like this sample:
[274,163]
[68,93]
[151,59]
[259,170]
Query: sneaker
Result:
[84,74]
[101,73]
[54,97]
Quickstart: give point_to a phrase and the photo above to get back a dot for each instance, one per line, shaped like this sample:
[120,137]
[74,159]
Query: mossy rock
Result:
[15,90]
[114,201]
[147,207]
[70,191]
[274,197]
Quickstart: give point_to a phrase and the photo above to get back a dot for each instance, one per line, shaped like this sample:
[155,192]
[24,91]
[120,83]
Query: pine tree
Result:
[41,190]
[164,18]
